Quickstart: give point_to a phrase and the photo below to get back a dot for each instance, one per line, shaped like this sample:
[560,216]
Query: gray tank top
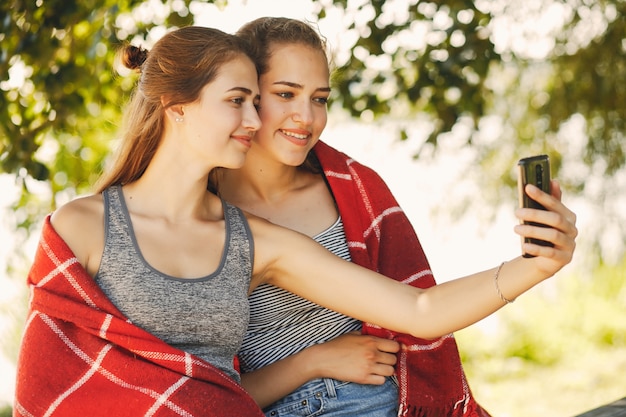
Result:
[205,316]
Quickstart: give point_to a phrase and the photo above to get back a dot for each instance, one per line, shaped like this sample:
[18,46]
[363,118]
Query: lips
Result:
[297,138]
[245,140]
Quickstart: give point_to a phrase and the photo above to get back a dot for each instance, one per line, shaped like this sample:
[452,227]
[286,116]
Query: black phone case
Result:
[533,170]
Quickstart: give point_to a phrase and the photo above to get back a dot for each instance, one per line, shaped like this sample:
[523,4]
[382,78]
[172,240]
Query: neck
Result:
[172,188]
[260,180]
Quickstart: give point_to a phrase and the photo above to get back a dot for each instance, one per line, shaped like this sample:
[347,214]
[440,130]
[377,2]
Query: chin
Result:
[235,163]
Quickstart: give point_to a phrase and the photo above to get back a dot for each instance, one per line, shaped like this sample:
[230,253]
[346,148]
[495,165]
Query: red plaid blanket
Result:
[381,238]
[81,357]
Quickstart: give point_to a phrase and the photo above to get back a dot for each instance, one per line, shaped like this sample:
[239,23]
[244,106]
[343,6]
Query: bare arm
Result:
[299,265]
[351,357]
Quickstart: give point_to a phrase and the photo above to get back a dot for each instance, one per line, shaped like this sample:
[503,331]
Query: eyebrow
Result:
[242,89]
[300,86]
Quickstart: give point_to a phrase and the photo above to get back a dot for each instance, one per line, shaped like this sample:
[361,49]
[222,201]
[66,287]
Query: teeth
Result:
[295,135]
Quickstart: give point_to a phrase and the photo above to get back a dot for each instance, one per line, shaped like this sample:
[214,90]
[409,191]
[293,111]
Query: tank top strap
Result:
[116,217]
[240,249]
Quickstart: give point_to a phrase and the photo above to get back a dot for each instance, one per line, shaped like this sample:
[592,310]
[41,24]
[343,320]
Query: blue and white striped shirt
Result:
[282,323]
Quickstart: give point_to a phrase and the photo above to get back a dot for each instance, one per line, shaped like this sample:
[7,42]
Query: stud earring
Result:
[179,119]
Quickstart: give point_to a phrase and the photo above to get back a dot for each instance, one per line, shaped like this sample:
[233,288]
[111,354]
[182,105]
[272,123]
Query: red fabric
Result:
[81,357]
[381,238]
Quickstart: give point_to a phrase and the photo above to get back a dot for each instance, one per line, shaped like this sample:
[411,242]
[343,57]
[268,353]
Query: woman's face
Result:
[220,125]
[294,92]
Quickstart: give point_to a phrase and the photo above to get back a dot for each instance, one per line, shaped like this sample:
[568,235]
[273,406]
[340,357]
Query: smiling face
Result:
[219,126]
[294,93]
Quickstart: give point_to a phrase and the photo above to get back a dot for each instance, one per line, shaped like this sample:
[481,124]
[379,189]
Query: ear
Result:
[174,113]
[178,109]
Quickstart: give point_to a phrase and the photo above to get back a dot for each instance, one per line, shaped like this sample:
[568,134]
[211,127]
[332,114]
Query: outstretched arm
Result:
[299,265]
[351,357]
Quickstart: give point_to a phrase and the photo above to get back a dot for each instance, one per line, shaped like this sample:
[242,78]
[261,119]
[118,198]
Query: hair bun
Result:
[133,57]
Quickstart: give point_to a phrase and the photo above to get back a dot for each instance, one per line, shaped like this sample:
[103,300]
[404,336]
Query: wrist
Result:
[496,276]
[309,363]
[517,276]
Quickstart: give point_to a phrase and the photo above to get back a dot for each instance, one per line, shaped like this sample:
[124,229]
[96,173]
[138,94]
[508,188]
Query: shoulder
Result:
[274,246]
[265,233]
[80,223]
[79,212]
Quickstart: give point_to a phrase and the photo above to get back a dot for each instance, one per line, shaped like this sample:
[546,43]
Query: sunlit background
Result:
[560,379]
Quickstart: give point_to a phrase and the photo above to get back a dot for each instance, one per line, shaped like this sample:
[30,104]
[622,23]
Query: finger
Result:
[555,189]
[560,218]
[387,345]
[551,202]
[557,221]
[548,234]
[542,197]
[563,244]
[383,370]
[386,358]
[374,379]
[560,255]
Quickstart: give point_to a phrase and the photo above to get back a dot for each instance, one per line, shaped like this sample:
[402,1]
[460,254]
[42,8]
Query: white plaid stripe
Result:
[77,351]
[92,370]
[163,400]
[376,221]
[95,367]
[61,268]
[402,369]
[338,175]
[149,392]
[105,326]
[188,365]
[359,245]
[23,411]
[366,201]
[434,345]
[417,276]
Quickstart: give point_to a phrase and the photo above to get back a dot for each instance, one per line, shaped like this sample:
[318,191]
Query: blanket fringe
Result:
[446,411]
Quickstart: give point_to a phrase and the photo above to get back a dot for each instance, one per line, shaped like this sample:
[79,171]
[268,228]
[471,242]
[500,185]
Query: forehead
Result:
[238,72]
[298,58]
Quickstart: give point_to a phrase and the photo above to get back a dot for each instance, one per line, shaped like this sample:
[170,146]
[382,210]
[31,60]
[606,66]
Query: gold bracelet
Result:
[495,281]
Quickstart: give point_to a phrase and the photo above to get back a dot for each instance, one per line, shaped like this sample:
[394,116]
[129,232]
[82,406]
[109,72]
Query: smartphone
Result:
[533,170]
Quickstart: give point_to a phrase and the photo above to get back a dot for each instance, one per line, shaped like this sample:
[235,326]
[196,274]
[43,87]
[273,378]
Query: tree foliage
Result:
[438,56]
[60,100]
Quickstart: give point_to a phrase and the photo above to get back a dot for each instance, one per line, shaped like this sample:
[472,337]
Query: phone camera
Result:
[539,175]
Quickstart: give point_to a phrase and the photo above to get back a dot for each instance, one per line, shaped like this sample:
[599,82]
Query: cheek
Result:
[321,118]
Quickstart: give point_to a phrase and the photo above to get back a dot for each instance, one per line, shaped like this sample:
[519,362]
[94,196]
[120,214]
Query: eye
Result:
[321,100]
[237,100]
[285,94]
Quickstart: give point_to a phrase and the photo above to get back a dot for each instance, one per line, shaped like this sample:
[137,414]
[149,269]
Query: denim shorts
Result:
[332,398]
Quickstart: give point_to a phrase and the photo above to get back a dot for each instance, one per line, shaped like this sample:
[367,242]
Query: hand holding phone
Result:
[533,170]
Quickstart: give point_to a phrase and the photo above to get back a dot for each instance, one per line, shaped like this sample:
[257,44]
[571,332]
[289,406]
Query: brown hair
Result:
[177,68]
[263,33]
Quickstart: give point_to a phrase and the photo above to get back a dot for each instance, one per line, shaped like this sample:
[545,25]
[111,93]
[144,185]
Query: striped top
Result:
[282,323]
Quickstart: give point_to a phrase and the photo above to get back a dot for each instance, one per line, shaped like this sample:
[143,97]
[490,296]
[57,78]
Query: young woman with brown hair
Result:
[312,356]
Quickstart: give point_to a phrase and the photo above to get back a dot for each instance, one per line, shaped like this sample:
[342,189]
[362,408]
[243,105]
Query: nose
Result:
[303,113]
[251,121]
